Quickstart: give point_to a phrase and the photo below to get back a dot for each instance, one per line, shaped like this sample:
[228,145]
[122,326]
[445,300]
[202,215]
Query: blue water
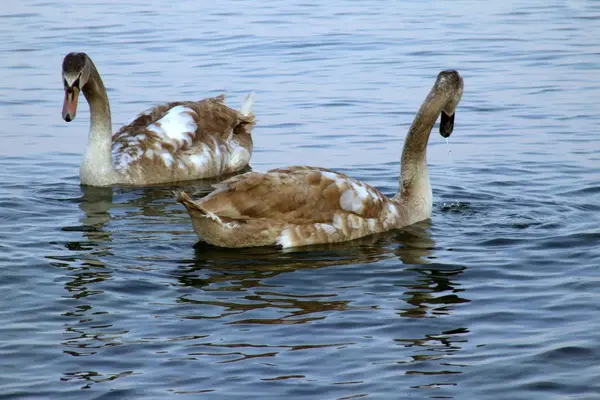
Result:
[105,294]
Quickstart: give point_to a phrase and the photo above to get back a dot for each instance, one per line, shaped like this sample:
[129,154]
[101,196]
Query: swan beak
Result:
[446,124]
[70,104]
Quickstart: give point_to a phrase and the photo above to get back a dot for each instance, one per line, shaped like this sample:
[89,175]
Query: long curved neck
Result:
[414,188]
[96,96]
[97,167]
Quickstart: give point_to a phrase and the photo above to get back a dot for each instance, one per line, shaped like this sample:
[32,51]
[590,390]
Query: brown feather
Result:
[301,205]
[217,125]
[307,203]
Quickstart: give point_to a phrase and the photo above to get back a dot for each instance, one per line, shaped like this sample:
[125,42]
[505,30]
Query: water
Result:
[104,294]
[449,149]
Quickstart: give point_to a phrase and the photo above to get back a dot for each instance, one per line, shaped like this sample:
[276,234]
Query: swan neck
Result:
[95,94]
[97,167]
[414,187]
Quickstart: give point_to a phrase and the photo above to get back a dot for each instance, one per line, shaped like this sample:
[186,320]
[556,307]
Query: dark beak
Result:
[446,125]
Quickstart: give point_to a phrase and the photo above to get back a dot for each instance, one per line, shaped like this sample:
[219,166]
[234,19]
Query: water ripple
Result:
[107,295]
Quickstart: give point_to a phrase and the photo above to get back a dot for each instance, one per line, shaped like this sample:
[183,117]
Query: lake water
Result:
[105,296]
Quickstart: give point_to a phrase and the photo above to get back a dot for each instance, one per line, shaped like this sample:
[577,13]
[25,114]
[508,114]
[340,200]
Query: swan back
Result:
[306,205]
[184,139]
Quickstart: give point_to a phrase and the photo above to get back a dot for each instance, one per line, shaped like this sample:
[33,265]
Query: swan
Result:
[303,205]
[171,142]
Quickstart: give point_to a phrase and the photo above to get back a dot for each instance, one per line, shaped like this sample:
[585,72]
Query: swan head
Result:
[451,84]
[75,74]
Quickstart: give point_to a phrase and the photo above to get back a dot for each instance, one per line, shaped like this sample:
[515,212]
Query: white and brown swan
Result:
[301,205]
[176,141]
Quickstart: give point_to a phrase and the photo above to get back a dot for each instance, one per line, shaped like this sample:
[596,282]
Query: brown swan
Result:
[301,205]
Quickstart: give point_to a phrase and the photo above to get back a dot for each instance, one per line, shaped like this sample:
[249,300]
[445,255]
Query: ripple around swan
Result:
[106,293]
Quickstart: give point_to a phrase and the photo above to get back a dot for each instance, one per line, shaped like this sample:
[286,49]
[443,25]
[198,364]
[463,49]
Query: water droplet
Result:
[449,149]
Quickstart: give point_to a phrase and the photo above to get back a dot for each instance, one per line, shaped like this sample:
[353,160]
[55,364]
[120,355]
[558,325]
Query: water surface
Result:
[105,293]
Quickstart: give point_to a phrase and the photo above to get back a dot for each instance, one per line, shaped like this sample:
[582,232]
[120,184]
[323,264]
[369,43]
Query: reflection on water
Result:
[224,290]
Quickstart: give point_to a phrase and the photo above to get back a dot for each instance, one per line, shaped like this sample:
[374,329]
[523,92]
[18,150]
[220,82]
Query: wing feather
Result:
[178,130]
[296,195]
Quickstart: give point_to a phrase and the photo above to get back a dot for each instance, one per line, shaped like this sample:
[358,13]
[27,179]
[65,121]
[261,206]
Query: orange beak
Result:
[70,104]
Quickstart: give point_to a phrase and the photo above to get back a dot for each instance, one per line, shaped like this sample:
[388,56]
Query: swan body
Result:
[171,142]
[304,205]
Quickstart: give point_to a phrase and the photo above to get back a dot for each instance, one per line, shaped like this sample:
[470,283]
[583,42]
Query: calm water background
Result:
[104,295]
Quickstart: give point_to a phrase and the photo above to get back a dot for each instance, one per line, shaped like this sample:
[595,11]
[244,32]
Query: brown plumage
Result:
[302,205]
[171,142]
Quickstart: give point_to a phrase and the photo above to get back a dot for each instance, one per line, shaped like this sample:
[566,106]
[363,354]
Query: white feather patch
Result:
[239,156]
[284,240]
[330,175]
[353,199]
[156,129]
[167,158]
[349,201]
[360,190]
[371,224]
[123,158]
[339,180]
[200,160]
[246,108]
[175,127]
[327,228]
[177,122]
[218,156]
[337,221]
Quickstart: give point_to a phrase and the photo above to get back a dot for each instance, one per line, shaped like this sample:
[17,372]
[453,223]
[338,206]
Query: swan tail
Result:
[247,105]
[183,198]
